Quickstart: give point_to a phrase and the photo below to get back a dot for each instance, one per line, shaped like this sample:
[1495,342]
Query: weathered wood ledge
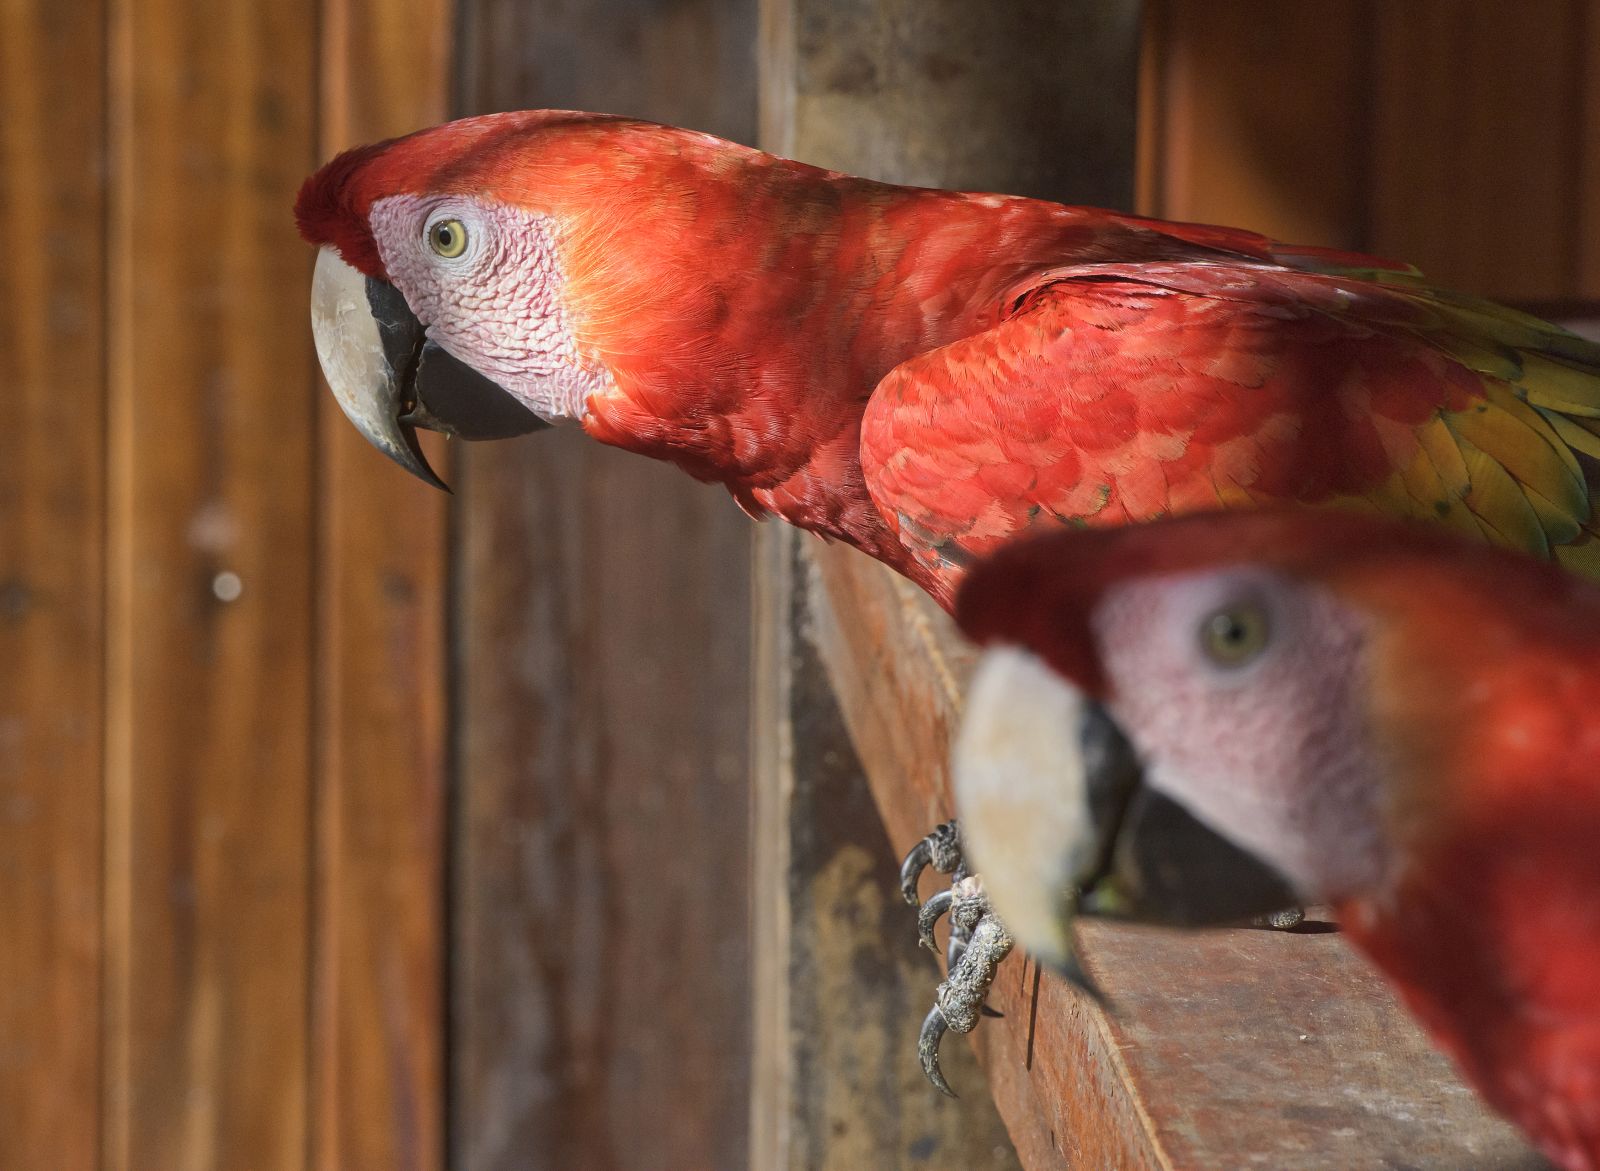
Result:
[1227,1048]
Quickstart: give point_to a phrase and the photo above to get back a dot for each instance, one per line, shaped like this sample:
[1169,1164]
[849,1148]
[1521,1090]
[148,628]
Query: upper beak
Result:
[389,379]
[1059,819]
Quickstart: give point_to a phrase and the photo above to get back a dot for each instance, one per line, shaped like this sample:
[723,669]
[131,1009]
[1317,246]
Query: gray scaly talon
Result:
[960,936]
[958,1001]
[941,849]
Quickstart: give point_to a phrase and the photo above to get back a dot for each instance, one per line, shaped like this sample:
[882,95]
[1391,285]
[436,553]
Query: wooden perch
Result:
[1226,1048]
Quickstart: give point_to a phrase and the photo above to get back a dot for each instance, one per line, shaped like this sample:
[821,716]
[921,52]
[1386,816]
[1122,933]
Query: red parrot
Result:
[919,373]
[1182,721]
[922,374]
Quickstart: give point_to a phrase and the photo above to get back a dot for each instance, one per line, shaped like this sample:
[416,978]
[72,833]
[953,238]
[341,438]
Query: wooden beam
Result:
[1227,1048]
[379,941]
[52,519]
[1036,98]
[841,985]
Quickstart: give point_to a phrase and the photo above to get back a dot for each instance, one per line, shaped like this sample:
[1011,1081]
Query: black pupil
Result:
[1229,629]
[446,235]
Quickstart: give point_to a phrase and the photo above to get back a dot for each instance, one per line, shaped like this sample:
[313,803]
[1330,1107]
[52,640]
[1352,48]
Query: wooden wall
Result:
[1464,138]
[221,718]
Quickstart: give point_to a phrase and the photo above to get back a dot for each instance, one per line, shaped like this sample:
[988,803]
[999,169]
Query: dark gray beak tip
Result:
[410,457]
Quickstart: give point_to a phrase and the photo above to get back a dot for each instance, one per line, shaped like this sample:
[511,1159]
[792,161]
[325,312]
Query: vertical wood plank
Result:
[1475,164]
[1588,68]
[1255,114]
[52,499]
[898,89]
[378,1023]
[600,993]
[209,675]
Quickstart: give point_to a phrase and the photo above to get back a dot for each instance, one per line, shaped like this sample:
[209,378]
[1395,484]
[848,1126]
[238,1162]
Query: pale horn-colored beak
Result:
[1040,774]
[366,362]
[389,379]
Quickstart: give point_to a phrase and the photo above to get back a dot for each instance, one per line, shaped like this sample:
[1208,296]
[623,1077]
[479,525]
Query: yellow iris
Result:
[448,238]
[1233,636]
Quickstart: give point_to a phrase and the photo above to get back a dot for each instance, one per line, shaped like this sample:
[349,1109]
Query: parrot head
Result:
[444,294]
[1203,719]
[436,299]
[1197,720]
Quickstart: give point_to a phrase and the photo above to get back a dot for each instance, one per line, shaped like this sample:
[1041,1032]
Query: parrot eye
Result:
[1232,636]
[448,238]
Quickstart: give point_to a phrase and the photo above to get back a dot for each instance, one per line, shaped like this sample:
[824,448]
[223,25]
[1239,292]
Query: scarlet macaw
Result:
[922,374]
[1194,720]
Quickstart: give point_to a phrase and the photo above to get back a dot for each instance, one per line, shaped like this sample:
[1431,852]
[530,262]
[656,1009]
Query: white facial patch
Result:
[1022,793]
[497,306]
[1273,753]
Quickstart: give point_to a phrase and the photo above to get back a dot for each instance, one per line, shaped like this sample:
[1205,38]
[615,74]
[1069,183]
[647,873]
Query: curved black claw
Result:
[934,1027]
[958,1002]
[941,849]
[928,916]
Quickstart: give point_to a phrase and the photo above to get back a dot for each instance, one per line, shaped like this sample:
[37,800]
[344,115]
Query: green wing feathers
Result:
[1526,457]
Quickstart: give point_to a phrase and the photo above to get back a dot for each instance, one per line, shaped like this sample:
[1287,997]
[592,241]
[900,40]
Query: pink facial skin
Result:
[498,306]
[1276,749]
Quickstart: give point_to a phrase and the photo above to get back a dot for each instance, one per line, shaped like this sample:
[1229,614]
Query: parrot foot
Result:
[960,932]
[1281,920]
[958,1001]
[941,849]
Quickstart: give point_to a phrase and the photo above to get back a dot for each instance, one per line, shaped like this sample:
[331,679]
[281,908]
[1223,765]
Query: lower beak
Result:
[389,379]
[1058,817]
[1166,866]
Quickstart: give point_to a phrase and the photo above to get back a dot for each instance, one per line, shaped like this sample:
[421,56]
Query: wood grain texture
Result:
[841,985]
[211,473]
[1475,160]
[602,982]
[378,1027]
[1256,114]
[1459,137]
[1033,97]
[600,993]
[1588,67]
[52,500]
[1228,1048]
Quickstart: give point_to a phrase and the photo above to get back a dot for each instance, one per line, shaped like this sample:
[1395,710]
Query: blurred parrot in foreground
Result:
[1189,721]
[922,374]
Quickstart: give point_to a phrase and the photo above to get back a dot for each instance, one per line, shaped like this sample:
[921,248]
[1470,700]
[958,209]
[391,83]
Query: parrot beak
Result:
[389,379]
[1058,818]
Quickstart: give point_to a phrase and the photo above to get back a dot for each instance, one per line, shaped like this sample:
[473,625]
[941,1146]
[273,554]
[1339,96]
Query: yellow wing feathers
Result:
[1508,465]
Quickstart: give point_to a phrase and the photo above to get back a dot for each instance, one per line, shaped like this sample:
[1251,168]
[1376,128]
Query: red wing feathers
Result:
[1125,393]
